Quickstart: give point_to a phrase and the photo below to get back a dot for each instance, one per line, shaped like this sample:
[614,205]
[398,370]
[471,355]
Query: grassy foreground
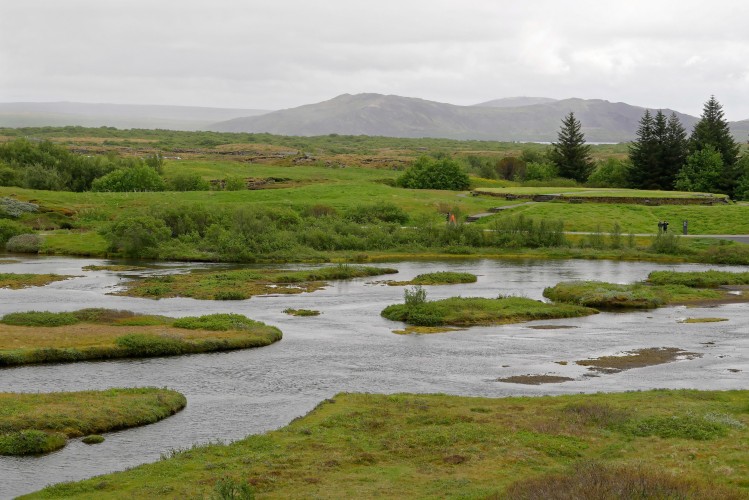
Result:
[40,423]
[662,288]
[476,311]
[655,444]
[243,284]
[44,337]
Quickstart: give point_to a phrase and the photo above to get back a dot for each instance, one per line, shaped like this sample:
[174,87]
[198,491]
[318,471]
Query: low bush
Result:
[9,229]
[605,295]
[148,345]
[688,426]
[443,278]
[31,442]
[93,439]
[704,279]
[24,243]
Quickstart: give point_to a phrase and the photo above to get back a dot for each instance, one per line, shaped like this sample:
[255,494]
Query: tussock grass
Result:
[44,337]
[472,311]
[435,446]
[40,423]
[301,312]
[704,279]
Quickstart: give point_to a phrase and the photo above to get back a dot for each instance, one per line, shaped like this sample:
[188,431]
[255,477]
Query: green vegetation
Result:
[430,173]
[93,439]
[301,312]
[697,279]
[45,337]
[603,295]
[438,278]
[245,283]
[659,153]
[472,311]
[570,154]
[703,320]
[654,444]
[17,281]
[40,423]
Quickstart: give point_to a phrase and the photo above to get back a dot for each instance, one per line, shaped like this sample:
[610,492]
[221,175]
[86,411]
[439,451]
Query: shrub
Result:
[8,229]
[666,243]
[383,212]
[137,178]
[15,208]
[142,344]
[137,236]
[24,243]
[31,442]
[414,296]
[430,173]
[188,182]
[231,489]
[230,295]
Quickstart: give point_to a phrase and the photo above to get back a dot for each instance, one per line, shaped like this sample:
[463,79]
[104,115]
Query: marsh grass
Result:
[17,281]
[472,311]
[703,320]
[604,295]
[242,284]
[697,279]
[438,278]
[40,423]
[435,446]
[41,337]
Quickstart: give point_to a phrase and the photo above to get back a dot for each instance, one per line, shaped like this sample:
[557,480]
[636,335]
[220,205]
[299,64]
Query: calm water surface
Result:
[351,348]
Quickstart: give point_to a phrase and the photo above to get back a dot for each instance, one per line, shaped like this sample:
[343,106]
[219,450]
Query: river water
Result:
[349,347]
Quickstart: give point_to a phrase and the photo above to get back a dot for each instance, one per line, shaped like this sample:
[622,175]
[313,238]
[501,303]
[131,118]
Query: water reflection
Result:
[349,347]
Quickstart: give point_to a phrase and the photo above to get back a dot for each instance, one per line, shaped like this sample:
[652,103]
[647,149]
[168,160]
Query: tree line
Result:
[663,157]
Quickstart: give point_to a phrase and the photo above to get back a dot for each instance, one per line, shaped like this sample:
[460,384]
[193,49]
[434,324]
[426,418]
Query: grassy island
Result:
[40,423]
[245,283]
[654,444]
[438,278]
[662,288]
[18,281]
[476,311]
[44,337]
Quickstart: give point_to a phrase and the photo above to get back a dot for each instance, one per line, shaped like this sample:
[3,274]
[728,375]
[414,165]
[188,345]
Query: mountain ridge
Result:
[396,116]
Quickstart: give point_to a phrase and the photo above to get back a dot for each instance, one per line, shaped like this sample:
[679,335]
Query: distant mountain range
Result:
[40,114]
[510,119]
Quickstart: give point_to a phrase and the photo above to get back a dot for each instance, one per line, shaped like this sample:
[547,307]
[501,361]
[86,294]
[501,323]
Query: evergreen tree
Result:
[712,130]
[659,152]
[570,154]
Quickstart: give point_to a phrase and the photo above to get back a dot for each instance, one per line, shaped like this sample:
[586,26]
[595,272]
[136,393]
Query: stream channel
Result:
[350,348]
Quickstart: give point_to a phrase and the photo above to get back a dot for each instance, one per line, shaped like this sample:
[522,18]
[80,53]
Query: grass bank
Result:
[475,311]
[662,288]
[40,423]
[245,283]
[44,337]
[657,444]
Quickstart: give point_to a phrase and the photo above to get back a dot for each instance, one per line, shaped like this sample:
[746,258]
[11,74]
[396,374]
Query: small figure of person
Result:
[665,226]
[660,226]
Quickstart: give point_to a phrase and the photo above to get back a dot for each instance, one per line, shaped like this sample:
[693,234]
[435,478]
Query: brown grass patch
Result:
[550,327]
[638,358]
[594,481]
[18,281]
[425,330]
[535,379]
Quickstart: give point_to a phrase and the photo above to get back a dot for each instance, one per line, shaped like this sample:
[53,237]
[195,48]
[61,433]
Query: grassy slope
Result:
[364,446]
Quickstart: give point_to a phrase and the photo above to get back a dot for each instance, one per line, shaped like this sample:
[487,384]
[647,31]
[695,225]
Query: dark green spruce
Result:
[570,153]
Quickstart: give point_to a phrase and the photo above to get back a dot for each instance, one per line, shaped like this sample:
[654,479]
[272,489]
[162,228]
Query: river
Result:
[349,347]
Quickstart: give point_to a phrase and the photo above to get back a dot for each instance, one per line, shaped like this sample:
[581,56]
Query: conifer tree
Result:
[570,154]
[712,130]
[659,152]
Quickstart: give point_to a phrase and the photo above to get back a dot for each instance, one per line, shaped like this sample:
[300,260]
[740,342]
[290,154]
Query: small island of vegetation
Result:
[245,283]
[45,337]
[475,311]
[40,423]
[438,278]
[662,288]
[18,281]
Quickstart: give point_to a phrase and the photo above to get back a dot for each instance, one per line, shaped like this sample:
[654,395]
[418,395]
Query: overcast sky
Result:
[273,54]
